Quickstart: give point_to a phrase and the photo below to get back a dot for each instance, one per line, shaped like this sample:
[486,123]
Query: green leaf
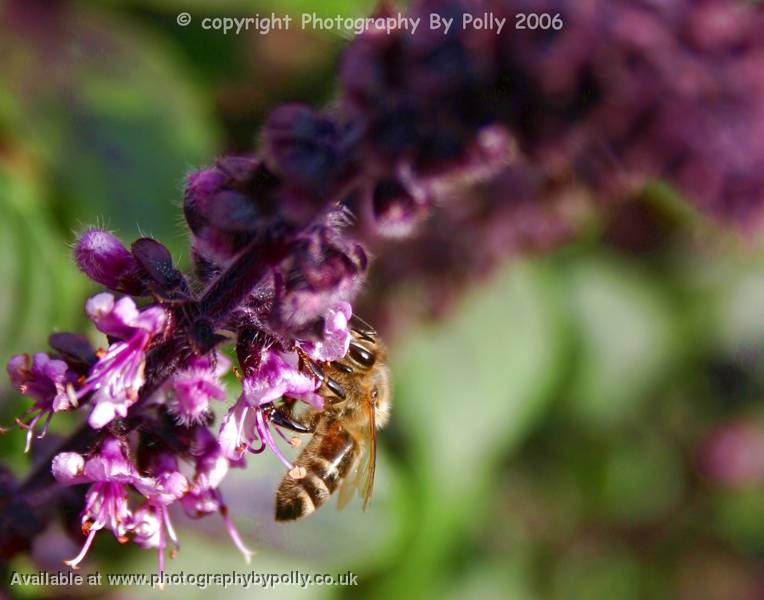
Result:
[467,391]
[481,378]
[738,516]
[593,573]
[629,339]
[43,289]
[643,479]
[112,116]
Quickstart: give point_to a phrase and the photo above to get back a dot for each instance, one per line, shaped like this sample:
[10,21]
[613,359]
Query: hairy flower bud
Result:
[218,210]
[324,268]
[103,258]
[303,147]
[420,99]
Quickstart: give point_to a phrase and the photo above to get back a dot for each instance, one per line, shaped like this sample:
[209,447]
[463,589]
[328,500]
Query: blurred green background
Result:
[550,438]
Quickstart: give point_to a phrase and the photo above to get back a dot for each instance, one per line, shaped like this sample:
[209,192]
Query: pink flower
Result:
[118,375]
[151,526]
[248,419]
[166,483]
[203,497]
[106,502]
[45,381]
[189,391]
[336,338]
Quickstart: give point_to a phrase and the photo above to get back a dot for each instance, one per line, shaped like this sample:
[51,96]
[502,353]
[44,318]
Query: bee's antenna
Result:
[369,328]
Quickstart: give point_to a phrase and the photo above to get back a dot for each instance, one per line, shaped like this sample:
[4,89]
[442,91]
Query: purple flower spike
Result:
[248,419]
[106,502]
[118,375]
[45,381]
[336,339]
[420,98]
[103,258]
[189,391]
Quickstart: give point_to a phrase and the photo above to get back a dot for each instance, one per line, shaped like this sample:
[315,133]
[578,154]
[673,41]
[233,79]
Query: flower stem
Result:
[234,284]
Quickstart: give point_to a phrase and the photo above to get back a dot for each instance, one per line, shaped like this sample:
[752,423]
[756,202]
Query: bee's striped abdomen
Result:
[327,460]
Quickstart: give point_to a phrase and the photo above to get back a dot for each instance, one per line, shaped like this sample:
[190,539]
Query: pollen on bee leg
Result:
[237,373]
[295,442]
[298,473]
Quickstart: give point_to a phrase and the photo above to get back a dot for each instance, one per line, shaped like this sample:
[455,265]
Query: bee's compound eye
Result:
[361,355]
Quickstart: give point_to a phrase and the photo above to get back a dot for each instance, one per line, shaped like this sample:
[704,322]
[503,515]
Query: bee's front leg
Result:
[281,416]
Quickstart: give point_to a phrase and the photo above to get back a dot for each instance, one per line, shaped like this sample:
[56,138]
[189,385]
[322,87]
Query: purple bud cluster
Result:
[627,91]
[470,143]
[471,233]
[551,123]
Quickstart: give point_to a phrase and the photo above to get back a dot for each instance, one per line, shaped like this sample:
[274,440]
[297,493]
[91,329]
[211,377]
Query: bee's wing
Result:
[361,476]
[348,486]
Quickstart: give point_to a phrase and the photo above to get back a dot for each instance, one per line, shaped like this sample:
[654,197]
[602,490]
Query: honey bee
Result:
[342,451]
